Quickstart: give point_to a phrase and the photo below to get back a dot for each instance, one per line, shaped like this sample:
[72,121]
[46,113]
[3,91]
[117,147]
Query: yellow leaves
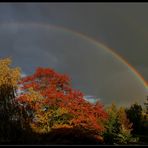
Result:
[6,61]
[57,126]
[60,111]
[41,123]
[47,120]
[42,129]
[43,117]
[112,108]
[15,76]
[8,76]
[124,121]
[112,111]
[120,116]
[33,95]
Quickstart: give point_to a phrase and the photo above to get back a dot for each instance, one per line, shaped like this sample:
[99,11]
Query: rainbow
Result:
[85,37]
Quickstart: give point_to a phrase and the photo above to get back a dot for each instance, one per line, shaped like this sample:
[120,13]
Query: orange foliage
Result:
[46,91]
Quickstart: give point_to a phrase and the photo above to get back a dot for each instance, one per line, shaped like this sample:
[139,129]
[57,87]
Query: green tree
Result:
[118,127]
[124,136]
[112,126]
[134,114]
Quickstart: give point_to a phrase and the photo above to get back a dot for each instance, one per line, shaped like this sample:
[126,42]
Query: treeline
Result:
[43,108]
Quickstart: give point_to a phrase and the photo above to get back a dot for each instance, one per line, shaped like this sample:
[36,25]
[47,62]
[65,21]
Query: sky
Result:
[70,38]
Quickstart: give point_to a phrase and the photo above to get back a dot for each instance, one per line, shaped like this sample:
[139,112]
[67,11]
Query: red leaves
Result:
[22,99]
[56,91]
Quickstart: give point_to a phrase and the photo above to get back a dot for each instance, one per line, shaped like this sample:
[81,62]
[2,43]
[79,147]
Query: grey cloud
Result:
[93,69]
[121,26]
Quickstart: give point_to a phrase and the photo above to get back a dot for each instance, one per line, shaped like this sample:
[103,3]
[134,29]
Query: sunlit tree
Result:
[9,78]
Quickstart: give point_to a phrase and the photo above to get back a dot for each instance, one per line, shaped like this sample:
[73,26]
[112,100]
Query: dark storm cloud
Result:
[121,26]
[94,71]
[92,68]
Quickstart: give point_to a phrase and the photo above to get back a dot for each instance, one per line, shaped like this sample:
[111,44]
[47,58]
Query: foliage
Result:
[48,108]
[124,121]
[51,103]
[134,113]
[112,126]
[9,78]
[145,118]
[118,127]
[146,109]
[125,136]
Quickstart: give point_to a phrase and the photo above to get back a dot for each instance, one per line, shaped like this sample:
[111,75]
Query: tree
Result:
[112,126]
[8,108]
[134,114]
[146,105]
[118,127]
[124,121]
[145,117]
[124,136]
[51,103]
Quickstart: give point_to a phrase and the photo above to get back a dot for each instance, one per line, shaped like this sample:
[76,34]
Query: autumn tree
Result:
[118,127]
[8,86]
[124,121]
[112,126]
[125,136]
[51,103]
